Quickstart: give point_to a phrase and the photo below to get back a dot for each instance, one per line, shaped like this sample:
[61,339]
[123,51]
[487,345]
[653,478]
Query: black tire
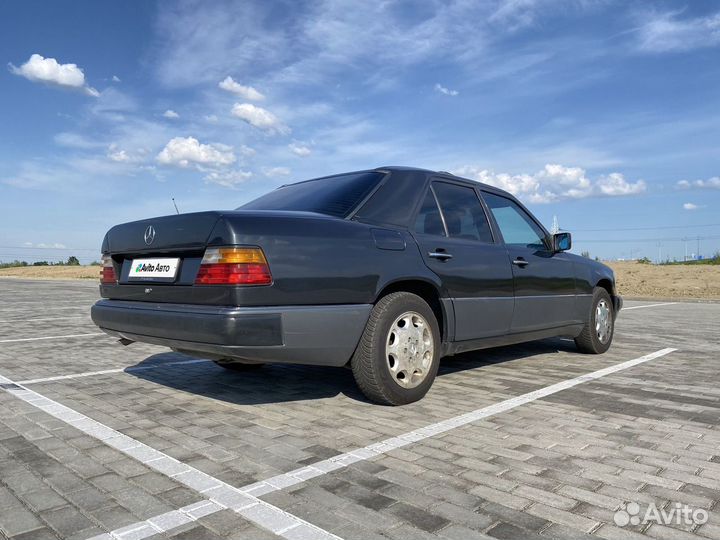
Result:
[233,365]
[370,364]
[589,340]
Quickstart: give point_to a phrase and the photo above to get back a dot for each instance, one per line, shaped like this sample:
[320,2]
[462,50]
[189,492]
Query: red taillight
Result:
[107,274]
[234,266]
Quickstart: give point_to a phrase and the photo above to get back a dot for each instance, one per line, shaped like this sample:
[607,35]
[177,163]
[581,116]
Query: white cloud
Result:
[114,105]
[211,118]
[320,42]
[115,78]
[299,149]
[275,171]
[188,151]
[259,118]
[614,184]
[116,154]
[713,182]
[171,114]
[443,90]
[555,182]
[246,151]
[691,206]
[120,155]
[45,245]
[227,178]
[76,140]
[49,71]
[246,92]
[665,32]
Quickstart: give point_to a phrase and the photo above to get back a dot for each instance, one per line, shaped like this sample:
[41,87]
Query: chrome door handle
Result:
[522,263]
[440,255]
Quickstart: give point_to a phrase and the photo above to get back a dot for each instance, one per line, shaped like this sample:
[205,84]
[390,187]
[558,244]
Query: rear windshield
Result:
[333,195]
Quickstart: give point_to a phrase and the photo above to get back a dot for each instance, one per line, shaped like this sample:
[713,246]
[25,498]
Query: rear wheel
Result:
[597,333]
[234,365]
[399,352]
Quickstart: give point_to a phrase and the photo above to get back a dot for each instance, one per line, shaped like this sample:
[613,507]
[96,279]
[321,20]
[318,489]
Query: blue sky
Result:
[606,114]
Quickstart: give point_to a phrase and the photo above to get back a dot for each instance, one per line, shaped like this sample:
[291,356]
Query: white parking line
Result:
[42,304]
[51,337]
[340,461]
[220,494]
[115,370]
[46,319]
[648,305]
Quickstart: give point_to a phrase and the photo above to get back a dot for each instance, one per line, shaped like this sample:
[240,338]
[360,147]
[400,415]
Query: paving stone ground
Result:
[558,467]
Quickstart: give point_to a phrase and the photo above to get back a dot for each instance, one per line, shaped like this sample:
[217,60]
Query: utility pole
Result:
[698,248]
[686,241]
[659,245]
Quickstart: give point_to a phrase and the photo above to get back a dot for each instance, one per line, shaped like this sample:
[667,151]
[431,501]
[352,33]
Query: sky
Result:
[603,113]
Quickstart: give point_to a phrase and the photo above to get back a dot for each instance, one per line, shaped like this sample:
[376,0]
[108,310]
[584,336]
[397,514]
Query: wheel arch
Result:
[606,284]
[430,292]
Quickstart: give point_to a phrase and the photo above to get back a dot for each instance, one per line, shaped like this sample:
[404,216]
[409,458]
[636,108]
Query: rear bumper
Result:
[319,335]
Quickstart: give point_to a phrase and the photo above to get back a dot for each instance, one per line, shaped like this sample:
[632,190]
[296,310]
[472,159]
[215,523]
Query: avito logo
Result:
[149,267]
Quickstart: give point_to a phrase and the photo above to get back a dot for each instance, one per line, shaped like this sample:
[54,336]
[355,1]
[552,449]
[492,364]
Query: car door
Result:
[545,291]
[457,243]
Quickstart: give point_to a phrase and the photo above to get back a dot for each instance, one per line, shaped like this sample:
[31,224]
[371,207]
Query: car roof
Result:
[418,170]
[442,174]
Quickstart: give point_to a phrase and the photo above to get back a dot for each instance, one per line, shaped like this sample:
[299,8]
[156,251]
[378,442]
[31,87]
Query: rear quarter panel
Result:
[321,260]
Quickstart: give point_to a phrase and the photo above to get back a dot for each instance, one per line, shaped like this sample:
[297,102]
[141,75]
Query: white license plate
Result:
[153,268]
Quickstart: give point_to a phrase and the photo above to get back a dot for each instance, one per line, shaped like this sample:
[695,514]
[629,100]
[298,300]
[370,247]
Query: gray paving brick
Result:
[458,532]
[563,517]
[506,531]
[646,434]
[546,497]
[66,521]
[501,497]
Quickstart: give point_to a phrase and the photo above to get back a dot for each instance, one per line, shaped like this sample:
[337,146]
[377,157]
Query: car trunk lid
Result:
[160,235]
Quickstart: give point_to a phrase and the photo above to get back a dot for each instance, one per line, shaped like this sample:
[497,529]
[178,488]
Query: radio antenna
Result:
[175,205]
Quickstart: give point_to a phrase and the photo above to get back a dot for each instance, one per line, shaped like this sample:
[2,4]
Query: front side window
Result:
[463,212]
[333,195]
[516,226]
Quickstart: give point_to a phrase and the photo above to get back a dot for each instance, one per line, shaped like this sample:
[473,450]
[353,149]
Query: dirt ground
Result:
[634,280]
[52,272]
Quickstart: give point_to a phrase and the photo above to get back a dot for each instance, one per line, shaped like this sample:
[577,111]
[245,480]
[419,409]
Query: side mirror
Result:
[561,241]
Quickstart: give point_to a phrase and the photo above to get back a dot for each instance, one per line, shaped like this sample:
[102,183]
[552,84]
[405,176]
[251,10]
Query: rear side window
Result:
[428,220]
[516,226]
[463,212]
[334,195]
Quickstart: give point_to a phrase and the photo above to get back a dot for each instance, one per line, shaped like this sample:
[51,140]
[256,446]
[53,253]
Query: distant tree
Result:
[585,254]
[13,264]
[73,261]
[644,260]
[41,263]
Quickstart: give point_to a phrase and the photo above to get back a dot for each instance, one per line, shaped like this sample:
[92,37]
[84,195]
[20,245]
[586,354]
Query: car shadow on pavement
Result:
[278,383]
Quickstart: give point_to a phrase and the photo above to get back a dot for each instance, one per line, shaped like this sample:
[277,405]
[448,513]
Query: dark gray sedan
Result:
[385,270]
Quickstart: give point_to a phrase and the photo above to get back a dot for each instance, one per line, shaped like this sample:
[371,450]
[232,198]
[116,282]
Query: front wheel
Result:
[597,334]
[398,355]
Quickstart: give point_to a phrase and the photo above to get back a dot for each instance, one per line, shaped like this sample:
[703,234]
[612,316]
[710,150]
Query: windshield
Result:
[332,195]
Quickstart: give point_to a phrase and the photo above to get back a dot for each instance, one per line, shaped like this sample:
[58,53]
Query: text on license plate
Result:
[153,268]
